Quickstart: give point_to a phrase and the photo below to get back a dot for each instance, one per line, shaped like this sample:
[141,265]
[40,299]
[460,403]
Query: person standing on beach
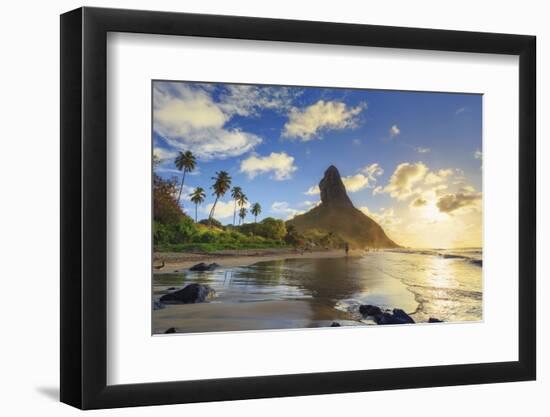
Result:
[346,248]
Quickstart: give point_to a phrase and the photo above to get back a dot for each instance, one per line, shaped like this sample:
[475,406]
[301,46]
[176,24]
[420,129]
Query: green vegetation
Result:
[174,231]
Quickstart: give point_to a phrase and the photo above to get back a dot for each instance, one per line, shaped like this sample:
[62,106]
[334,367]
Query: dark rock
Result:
[158,305]
[171,289]
[401,315]
[333,191]
[434,320]
[192,293]
[477,262]
[368,310]
[385,318]
[204,267]
[398,317]
[171,330]
[335,324]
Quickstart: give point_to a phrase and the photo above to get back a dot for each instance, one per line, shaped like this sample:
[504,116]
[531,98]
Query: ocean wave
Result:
[474,256]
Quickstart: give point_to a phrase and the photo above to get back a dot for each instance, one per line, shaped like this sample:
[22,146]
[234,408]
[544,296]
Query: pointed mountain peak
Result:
[333,191]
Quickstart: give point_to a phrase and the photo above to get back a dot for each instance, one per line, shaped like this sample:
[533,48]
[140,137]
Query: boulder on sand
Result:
[398,317]
[434,320]
[204,267]
[192,293]
[335,324]
[171,330]
[368,310]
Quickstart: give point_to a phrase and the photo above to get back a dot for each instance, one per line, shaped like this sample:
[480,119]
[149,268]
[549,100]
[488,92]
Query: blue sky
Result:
[410,160]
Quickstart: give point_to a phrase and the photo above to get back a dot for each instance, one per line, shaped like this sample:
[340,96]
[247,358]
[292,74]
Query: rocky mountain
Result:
[337,214]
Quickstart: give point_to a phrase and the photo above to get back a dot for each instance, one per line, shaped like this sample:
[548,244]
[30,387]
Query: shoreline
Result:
[176,262]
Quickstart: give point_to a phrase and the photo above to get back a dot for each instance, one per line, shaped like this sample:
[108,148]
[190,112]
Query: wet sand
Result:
[179,262]
[264,315]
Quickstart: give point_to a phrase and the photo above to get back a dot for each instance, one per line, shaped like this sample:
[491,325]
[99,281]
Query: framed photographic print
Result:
[292,208]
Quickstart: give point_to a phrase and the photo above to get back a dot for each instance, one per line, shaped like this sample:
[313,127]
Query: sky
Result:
[412,161]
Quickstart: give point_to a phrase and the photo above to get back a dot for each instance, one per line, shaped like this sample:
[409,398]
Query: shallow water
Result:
[443,284]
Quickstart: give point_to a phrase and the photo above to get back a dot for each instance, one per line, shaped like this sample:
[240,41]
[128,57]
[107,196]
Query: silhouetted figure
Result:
[346,248]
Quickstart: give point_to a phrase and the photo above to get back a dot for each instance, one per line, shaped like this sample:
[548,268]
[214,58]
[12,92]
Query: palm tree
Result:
[222,183]
[185,162]
[242,214]
[256,210]
[243,199]
[236,193]
[197,197]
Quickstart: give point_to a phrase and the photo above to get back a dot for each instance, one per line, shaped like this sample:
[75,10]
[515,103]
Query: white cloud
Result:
[281,165]
[224,209]
[422,150]
[385,217]
[356,142]
[355,183]
[246,100]
[450,203]
[189,119]
[305,124]
[282,208]
[466,189]
[164,154]
[478,154]
[394,131]
[313,190]
[310,204]
[460,110]
[372,171]
[438,177]
[378,190]
[185,192]
[404,178]
[418,202]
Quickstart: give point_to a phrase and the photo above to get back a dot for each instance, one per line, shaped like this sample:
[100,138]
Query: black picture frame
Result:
[84,207]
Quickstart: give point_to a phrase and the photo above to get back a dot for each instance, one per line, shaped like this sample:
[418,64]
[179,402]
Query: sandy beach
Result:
[180,261]
[216,317]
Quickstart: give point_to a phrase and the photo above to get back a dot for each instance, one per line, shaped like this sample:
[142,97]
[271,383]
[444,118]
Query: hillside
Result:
[337,214]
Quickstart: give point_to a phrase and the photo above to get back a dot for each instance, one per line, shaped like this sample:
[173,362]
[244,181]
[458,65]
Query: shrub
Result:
[271,228]
[213,222]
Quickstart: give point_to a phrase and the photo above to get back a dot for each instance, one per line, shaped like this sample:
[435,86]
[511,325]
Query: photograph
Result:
[291,207]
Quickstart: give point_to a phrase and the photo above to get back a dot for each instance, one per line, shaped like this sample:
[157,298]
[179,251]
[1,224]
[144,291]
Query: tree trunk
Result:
[181,189]
[196,206]
[212,211]
[234,212]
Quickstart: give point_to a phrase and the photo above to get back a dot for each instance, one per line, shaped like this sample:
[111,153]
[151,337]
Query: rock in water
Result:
[434,320]
[171,330]
[192,293]
[204,267]
[337,214]
[335,324]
